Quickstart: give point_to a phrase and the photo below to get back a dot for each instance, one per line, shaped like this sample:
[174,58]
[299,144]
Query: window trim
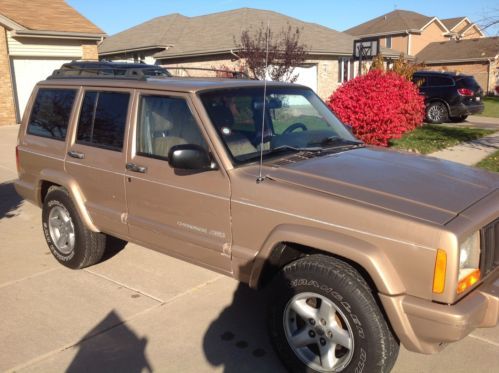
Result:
[131,95]
[173,95]
[388,42]
[74,105]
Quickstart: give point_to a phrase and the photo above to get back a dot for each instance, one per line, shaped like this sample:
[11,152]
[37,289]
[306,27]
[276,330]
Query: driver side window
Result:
[164,122]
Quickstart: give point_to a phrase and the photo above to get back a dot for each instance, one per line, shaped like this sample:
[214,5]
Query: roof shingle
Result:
[47,15]
[455,50]
[219,32]
[395,21]
[450,23]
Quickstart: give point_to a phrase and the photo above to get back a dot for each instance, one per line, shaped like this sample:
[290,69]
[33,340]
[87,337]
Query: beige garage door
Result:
[27,72]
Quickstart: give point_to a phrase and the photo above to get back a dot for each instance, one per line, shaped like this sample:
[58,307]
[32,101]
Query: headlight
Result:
[469,262]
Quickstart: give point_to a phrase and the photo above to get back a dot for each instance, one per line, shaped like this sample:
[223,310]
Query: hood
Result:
[417,186]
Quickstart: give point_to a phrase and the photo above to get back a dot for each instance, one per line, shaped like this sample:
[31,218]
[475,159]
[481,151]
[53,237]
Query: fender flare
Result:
[371,258]
[75,193]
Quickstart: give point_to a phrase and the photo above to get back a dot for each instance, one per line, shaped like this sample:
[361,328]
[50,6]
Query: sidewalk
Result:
[470,153]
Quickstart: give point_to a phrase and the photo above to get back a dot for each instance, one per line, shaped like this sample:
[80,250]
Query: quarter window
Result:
[163,123]
[440,81]
[103,119]
[51,112]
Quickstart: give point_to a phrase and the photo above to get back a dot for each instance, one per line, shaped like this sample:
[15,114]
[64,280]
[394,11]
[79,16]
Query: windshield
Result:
[295,120]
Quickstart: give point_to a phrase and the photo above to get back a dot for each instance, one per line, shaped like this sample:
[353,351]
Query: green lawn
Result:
[491,163]
[430,138]
[491,107]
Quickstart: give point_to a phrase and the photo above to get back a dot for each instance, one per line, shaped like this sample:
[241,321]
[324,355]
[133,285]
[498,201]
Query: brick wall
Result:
[89,52]
[7,109]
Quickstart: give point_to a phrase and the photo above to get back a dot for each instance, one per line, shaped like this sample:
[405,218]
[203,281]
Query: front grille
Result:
[489,258]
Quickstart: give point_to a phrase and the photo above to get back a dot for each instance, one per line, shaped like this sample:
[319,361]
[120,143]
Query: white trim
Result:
[431,21]
[409,44]
[56,35]
[10,23]
[471,26]
[457,24]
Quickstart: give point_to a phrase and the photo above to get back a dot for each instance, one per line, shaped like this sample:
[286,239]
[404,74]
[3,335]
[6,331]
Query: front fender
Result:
[368,256]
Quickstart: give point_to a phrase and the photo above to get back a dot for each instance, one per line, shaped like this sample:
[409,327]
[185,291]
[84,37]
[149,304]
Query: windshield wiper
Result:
[285,148]
[341,142]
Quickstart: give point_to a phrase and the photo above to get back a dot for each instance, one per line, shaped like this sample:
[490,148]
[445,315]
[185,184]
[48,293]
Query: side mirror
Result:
[189,157]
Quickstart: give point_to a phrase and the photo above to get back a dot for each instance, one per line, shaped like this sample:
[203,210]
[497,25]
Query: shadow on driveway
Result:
[116,350]
[10,201]
[237,339]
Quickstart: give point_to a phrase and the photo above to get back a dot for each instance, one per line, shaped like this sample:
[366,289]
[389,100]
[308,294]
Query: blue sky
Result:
[117,15]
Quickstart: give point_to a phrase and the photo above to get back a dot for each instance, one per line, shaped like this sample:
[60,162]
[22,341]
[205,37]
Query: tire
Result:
[458,119]
[69,240]
[335,306]
[436,112]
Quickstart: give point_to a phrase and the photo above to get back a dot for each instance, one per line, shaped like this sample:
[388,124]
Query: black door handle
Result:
[77,155]
[136,168]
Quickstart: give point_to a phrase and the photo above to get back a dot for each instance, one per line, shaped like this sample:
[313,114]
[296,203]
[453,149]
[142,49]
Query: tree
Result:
[379,106]
[285,52]
[400,66]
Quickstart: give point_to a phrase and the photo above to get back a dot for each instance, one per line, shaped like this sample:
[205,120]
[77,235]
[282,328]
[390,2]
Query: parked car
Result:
[449,96]
[362,248]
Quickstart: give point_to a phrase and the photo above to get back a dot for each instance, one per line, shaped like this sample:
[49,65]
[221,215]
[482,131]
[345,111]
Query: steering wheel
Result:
[294,127]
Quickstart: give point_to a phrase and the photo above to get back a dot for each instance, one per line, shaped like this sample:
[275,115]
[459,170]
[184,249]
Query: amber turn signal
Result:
[439,273]
[468,281]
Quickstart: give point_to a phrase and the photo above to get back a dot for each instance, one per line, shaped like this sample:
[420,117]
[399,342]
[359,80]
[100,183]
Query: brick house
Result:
[36,37]
[410,32]
[477,57]
[210,41]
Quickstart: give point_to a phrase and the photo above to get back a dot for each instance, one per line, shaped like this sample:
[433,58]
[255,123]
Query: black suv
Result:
[449,96]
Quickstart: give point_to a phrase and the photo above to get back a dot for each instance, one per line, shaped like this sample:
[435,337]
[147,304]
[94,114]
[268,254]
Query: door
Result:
[186,214]
[96,157]
[307,76]
[29,71]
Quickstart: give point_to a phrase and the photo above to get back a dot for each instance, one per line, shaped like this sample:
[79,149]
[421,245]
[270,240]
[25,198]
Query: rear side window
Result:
[440,81]
[51,112]
[103,119]
[467,82]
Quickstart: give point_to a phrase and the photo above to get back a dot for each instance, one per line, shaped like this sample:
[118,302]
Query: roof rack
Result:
[219,73]
[108,70]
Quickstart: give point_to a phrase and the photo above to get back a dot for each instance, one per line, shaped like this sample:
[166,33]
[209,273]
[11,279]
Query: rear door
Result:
[186,214]
[97,155]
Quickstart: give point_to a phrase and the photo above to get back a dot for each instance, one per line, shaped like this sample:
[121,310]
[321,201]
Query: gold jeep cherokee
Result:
[363,248]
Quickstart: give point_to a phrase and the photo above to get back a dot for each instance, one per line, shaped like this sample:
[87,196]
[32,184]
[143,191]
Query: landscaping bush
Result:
[379,106]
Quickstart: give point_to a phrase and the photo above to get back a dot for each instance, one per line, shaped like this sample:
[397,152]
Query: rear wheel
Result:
[324,318]
[69,240]
[437,112]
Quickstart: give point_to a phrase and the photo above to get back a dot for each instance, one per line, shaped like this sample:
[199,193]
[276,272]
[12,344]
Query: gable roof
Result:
[450,23]
[46,15]
[395,21]
[180,36]
[460,50]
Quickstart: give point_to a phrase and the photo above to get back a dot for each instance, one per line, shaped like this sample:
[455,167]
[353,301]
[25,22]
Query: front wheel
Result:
[325,319]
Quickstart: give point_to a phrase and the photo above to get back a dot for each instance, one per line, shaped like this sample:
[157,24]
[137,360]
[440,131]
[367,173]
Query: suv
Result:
[363,248]
[449,96]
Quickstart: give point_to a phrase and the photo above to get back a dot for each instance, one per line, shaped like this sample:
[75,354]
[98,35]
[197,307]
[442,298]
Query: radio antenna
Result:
[260,177]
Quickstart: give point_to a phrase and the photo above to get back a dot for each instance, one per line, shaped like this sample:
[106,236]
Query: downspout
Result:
[234,54]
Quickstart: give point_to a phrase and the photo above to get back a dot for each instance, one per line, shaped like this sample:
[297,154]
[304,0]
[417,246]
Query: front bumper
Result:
[427,327]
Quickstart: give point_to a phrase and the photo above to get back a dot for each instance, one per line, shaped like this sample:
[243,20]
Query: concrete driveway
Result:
[142,311]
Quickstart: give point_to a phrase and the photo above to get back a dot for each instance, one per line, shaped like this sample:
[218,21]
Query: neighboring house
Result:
[478,57]
[210,41]
[36,37]
[410,32]
[462,28]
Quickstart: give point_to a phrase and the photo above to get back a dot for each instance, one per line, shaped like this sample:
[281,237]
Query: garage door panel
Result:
[27,72]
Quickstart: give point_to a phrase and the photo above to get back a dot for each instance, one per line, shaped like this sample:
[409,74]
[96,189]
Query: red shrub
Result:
[379,106]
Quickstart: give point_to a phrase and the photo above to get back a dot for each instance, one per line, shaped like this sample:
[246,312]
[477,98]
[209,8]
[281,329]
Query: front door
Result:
[186,214]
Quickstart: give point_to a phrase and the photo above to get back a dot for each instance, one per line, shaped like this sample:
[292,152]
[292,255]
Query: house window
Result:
[388,41]
[344,70]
